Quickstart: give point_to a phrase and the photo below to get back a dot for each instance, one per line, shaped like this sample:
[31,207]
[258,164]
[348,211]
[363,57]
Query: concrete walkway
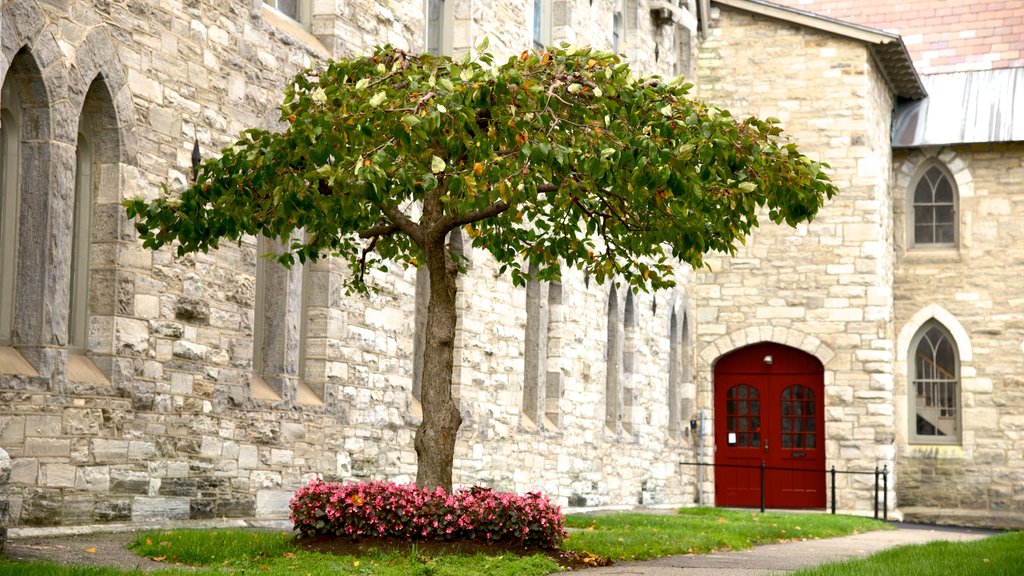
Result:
[783,558]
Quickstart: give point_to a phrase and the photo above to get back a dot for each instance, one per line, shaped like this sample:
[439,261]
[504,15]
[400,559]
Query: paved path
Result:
[782,558]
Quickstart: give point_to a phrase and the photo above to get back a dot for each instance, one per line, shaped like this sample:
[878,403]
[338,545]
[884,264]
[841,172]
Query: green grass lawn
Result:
[618,536]
[700,530]
[994,556]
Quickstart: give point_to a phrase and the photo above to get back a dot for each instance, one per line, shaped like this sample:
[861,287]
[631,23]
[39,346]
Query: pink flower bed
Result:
[384,510]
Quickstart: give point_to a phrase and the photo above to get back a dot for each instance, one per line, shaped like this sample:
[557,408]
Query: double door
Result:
[769,419]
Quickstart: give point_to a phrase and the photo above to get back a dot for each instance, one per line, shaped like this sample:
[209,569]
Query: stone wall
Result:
[161,415]
[973,289]
[823,287]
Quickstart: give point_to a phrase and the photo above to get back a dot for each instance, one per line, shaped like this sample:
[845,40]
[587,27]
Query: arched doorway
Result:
[769,409]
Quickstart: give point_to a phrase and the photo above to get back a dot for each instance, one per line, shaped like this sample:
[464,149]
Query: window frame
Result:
[445,23]
[10,205]
[303,8]
[912,381]
[541,24]
[78,301]
[919,177]
[617,29]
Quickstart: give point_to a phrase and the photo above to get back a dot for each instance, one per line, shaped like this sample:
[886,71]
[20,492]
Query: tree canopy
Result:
[559,157]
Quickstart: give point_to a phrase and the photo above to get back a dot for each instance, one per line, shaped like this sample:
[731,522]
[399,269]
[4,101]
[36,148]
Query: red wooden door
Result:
[769,408]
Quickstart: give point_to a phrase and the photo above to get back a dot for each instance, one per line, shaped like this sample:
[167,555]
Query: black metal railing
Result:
[881,481]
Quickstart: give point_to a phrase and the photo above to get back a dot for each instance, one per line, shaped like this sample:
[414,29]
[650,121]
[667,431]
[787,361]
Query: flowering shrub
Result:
[381,509]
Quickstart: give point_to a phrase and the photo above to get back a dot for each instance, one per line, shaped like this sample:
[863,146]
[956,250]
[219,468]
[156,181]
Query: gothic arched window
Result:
[935,208]
[934,387]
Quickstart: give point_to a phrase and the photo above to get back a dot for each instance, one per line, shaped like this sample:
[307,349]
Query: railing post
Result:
[762,486]
[885,492]
[876,492]
[833,489]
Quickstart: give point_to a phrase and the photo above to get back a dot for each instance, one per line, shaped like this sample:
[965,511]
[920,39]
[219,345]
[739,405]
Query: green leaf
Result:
[410,120]
[437,165]
[377,98]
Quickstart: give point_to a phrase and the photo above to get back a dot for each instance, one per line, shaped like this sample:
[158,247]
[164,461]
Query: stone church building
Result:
[886,334]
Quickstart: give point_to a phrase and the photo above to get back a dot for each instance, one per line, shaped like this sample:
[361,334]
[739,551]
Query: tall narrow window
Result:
[630,351]
[613,365]
[541,23]
[10,158]
[617,30]
[935,209]
[440,17]
[553,389]
[78,315]
[420,328]
[279,331]
[536,347]
[935,387]
[674,375]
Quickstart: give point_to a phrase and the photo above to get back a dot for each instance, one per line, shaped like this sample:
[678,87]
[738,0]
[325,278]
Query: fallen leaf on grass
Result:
[289,555]
[158,558]
[90,550]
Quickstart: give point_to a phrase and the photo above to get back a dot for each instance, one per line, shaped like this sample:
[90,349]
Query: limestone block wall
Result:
[169,419]
[973,289]
[824,287]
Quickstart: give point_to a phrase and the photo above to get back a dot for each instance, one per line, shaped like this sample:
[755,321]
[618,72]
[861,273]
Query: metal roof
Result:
[964,107]
[887,48]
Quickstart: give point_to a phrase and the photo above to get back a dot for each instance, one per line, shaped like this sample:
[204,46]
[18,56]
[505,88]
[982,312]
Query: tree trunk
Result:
[435,438]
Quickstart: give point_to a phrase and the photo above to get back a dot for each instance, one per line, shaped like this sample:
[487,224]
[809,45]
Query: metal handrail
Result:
[882,475]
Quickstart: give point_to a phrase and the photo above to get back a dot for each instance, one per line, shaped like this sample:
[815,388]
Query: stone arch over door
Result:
[722,345]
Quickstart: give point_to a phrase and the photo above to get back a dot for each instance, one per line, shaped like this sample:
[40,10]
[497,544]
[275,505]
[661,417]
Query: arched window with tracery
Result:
[935,387]
[934,208]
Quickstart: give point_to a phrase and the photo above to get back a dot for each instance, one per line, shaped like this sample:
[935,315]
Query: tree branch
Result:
[375,233]
[382,228]
[477,215]
[402,223]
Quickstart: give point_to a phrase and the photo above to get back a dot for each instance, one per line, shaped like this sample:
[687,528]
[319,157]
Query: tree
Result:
[555,158]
